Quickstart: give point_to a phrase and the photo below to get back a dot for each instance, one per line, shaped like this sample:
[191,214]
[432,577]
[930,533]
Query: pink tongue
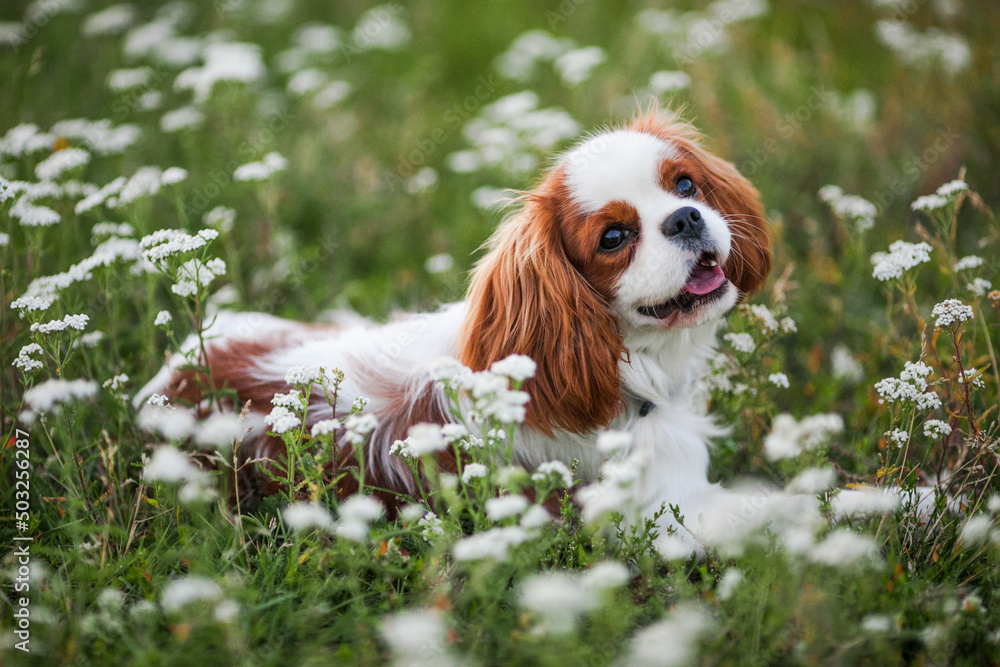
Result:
[705,279]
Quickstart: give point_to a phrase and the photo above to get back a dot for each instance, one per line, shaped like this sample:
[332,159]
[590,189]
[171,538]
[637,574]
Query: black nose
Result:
[684,223]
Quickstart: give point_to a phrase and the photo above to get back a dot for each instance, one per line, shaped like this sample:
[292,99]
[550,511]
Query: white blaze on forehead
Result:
[619,165]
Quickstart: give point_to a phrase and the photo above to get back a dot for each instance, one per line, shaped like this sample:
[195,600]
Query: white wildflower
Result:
[219,431]
[935,428]
[453,433]
[788,438]
[951,311]
[902,256]
[741,342]
[474,471]
[52,393]
[843,547]
[116,382]
[325,427]
[110,21]
[125,79]
[30,304]
[610,442]
[849,207]
[261,171]
[517,367]
[25,361]
[604,575]
[778,380]
[220,217]
[196,491]
[226,611]
[447,370]
[183,592]
[112,229]
[864,502]
[909,387]
[976,530]
[668,82]
[101,196]
[929,203]
[163,318]
[145,182]
[671,642]
[57,164]
[356,515]
[282,420]
[523,54]
[173,175]
[31,215]
[971,375]
[381,28]
[952,187]
[730,581]
[968,262]
[425,439]
[169,422]
[77,322]
[306,516]
[876,623]
[504,507]
[812,481]
[536,517]
[304,374]
[558,598]
[897,437]
[430,526]
[169,464]
[979,286]
[554,469]
[224,61]
[358,427]
[673,547]
[575,66]
[183,118]
[417,637]
[157,400]
[490,544]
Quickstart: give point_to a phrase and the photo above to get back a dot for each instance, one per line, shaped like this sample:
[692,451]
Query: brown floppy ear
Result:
[732,195]
[526,297]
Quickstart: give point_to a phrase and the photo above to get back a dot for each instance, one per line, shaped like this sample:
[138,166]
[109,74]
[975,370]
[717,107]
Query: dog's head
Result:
[634,229]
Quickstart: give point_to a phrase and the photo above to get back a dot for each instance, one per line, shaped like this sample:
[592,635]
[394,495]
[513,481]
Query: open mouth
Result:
[705,284]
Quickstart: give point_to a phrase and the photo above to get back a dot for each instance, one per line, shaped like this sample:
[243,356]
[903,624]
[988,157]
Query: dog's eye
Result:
[685,187]
[614,238]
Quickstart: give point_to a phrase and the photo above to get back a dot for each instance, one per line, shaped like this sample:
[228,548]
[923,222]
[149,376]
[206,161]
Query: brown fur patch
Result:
[528,297]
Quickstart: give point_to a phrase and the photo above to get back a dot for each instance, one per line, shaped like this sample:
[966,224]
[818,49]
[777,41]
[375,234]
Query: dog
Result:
[613,275]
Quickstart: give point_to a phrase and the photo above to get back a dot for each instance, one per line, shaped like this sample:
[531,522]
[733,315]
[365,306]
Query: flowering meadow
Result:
[165,163]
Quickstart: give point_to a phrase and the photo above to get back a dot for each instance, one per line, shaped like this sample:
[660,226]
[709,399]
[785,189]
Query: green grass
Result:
[338,228]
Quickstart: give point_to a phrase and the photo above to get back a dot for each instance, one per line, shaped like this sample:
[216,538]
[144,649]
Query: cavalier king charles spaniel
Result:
[613,276]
